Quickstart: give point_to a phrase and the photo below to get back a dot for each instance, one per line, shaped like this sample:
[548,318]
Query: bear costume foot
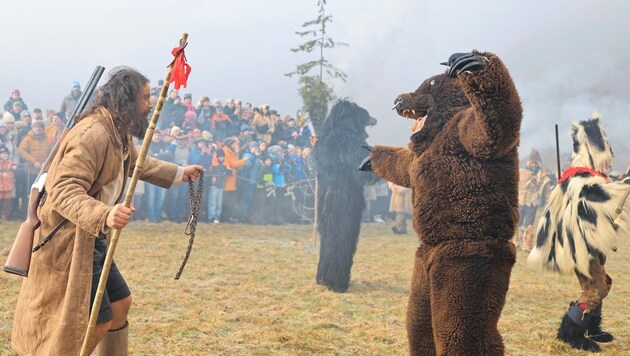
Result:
[573,334]
[335,287]
[594,331]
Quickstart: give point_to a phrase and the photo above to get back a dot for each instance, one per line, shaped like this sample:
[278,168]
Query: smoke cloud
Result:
[567,58]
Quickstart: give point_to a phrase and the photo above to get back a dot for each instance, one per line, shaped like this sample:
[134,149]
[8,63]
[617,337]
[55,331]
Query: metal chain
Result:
[191,227]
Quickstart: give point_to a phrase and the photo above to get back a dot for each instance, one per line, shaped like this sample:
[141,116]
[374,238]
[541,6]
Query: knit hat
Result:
[206,135]
[252,145]
[175,130]
[25,113]
[76,84]
[229,141]
[39,123]
[8,118]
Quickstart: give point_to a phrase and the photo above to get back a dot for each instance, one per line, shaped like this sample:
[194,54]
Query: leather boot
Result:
[115,343]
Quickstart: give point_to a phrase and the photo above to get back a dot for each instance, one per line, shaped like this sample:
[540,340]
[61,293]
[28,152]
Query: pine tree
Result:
[317,94]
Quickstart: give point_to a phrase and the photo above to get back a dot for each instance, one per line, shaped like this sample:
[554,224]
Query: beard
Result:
[139,124]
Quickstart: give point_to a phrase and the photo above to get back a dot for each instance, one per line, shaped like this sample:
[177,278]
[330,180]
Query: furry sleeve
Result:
[392,164]
[577,224]
[491,127]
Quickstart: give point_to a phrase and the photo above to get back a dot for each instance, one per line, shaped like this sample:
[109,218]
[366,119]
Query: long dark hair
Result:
[120,96]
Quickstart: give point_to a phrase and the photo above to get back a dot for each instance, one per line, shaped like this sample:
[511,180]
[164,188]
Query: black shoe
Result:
[573,334]
[594,331]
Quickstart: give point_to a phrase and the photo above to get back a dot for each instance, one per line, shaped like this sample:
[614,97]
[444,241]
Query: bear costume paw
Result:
[465,62]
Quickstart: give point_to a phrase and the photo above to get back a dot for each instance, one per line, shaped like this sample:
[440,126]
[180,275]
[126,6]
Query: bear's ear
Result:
[595,116]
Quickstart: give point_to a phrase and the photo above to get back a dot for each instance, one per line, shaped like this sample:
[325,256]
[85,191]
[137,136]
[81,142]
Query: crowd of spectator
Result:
[258,163]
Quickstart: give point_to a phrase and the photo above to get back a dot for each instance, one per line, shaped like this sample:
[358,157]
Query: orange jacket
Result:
[233,163]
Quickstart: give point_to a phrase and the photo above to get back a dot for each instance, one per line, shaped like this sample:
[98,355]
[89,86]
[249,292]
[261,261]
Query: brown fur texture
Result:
[463,170]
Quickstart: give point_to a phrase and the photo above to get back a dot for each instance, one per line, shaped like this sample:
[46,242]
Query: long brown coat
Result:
[52,311]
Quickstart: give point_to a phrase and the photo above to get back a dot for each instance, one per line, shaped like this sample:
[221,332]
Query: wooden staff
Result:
[558,153]
[314,238]
[142,155]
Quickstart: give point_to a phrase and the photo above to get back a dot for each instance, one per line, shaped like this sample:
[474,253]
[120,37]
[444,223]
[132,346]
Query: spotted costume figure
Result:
[576,232]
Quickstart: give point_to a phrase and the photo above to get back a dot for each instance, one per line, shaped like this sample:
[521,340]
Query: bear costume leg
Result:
[468,282]
[573,329]
[419,329]
[594,330]
[339,210]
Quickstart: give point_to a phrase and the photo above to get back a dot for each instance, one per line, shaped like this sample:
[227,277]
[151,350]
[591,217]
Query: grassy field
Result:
[250,290]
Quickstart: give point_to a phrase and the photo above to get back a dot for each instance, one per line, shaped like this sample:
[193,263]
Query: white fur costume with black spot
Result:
[577,224]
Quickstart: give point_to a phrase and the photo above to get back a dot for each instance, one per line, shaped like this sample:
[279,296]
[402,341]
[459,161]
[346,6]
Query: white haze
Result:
[566,57]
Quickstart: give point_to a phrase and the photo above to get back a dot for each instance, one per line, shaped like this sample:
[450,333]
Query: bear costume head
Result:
[432,105]
[348,117]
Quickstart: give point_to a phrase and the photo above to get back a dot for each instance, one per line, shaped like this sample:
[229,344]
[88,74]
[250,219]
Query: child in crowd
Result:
[217,181]
[7,183]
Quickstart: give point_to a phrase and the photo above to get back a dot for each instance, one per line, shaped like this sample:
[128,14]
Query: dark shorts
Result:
[115,289]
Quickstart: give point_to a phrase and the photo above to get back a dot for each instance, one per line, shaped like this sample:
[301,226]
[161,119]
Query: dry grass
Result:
[251,291]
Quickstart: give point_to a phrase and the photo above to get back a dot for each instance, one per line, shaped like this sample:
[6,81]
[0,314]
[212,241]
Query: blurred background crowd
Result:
[259,168]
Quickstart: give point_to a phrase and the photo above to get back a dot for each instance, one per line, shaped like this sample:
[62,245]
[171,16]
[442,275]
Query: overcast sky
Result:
[566,57]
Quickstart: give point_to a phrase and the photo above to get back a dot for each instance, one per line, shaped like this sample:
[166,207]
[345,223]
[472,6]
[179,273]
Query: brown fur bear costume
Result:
[462,165]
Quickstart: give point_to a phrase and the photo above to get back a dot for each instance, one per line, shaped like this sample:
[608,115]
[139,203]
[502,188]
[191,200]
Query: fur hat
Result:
[590,145]
[534,158]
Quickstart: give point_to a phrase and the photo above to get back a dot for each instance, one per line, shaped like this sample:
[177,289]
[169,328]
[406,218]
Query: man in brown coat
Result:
[84,182]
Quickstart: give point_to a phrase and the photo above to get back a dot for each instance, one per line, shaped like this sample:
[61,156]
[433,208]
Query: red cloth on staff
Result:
[181,69]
